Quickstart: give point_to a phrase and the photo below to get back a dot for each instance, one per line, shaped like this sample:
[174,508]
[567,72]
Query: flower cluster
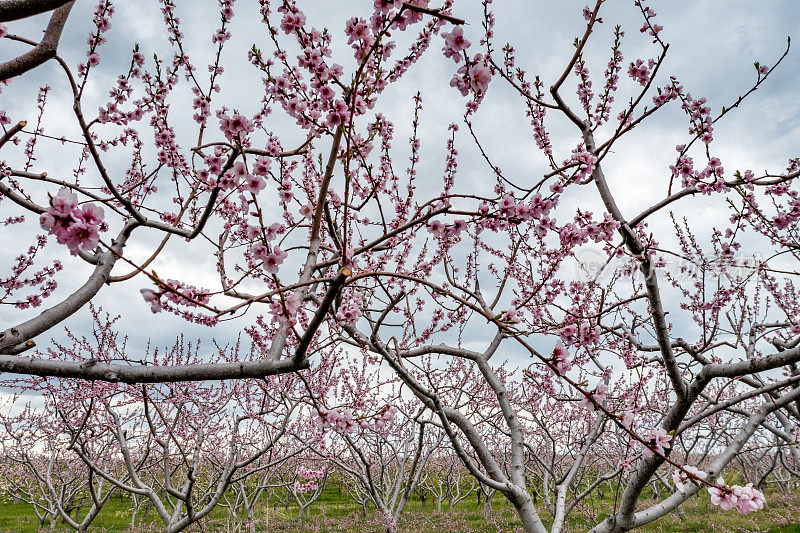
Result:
[587,15]
[350,310]
[537,114]
[236,126]
[586,162]
[667,94]
[102,22]
[474,76]
[584,228]
[657,442]
[284,308]
[560,359]
[584,89]
[77,227]
[119,95]
[177,293]
[744,499]
[340,420]
[406,18]
[238,176]
[640,71]
[309,473]
[511,211]
[583,335]
[707,181]
[357,29]
[595,397]
[681,478]
[700,116]
[41,281]
[784,219]
[649,27]
[302,488]
[153,298]
[271,257]
[455,43]
[385,416]
[293,19]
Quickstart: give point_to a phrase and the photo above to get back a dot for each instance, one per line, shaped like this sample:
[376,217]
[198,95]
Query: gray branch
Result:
[20,9]
[47,47]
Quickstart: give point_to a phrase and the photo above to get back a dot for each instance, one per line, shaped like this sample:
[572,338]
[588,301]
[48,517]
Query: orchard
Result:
[406,258]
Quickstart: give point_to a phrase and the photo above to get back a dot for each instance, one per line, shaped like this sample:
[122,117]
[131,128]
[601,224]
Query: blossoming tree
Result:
[321,245]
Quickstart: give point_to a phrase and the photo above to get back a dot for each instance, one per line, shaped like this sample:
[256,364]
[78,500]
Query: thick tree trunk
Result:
[527,513]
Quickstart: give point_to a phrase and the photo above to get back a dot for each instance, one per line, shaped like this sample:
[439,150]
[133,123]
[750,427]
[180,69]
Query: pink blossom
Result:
[292,21]
[474,76]
[239,170]
[228,181]
[253,183]
[455,43]
[599,395]
[639,72]
[385,416]
[284,309]
[152,297]
[307,211]
[723,497]
[261,166]
[89,213]
[627,419]
[349,311]
[235,126]
[460,83]
[384,6]
[259,251]
[340,420]
[658,441]
[309,473]
[561,358]
[479,75]
[436,228]
[357,30]
[81,236]
[748,498]
[63,203]
[78,228]
[274,260]
[272,232]
[681,478]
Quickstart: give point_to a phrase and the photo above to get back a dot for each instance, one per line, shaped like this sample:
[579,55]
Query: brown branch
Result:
[46,49]
[333,291]
[434,13]
[20,9]
[11,132]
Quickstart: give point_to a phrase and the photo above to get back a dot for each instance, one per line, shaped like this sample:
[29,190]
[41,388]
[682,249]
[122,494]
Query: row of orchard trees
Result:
[273,166]
[173,453]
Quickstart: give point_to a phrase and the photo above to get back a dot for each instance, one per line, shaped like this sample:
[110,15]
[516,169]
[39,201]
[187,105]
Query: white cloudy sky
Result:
[713,46]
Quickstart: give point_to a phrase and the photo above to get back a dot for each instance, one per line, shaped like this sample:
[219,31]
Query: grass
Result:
[333,513]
